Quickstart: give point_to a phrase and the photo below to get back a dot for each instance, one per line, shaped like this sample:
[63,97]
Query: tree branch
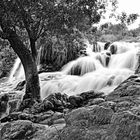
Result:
[24,15]
[40,31]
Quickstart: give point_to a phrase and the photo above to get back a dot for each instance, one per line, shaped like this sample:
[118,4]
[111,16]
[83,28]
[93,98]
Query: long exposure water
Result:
[101,70]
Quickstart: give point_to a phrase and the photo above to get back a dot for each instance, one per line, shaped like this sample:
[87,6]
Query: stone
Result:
[91,95]
[56,102]
[95,101]
[54,117]
[48,105]
[108,104]
[125,126]
[59,121]
[76,101]
[93,115]
[124,106]
[128,88]
[26,130]
[13,105]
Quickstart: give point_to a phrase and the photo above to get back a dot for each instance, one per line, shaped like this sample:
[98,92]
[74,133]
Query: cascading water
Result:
[17,71]
[102,70]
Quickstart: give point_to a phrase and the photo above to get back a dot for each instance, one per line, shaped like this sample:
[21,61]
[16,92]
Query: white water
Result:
[100,71]
[17,71]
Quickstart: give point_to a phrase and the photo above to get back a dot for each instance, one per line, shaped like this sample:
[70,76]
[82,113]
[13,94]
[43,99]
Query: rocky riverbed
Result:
[88,116]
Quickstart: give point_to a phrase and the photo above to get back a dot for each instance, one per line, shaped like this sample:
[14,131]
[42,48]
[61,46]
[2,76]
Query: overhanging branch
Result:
[23,15]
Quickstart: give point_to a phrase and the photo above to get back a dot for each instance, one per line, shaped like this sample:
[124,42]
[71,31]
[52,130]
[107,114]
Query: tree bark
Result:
[30,68]
[33,49]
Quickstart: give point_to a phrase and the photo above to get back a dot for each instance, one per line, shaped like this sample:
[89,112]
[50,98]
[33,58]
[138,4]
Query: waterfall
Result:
[103,69]
[121,47]
[81,66]
[100,71]
[17,71]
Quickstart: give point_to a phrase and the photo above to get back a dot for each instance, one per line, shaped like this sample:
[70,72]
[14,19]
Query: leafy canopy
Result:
[37,17]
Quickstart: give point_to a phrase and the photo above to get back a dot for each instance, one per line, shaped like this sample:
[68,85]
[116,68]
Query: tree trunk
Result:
[32,80]
[33,49]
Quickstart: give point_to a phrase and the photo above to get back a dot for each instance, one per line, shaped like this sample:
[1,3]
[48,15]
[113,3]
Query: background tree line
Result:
[119,32]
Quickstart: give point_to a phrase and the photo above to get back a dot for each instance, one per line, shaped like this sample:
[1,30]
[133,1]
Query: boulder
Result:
[92,115]
[26,130]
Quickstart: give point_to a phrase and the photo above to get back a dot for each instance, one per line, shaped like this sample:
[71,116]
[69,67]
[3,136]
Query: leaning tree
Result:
[37,18]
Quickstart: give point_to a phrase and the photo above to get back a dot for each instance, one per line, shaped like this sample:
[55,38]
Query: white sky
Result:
[128,6]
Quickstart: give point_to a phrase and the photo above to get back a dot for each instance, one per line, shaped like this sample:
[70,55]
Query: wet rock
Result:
[75,101]
[107,44]
[26,130]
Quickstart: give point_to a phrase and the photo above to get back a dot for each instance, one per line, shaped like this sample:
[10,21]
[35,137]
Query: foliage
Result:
[7,57]
[127,19]
[52,15]
[58,50]
[116,32]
